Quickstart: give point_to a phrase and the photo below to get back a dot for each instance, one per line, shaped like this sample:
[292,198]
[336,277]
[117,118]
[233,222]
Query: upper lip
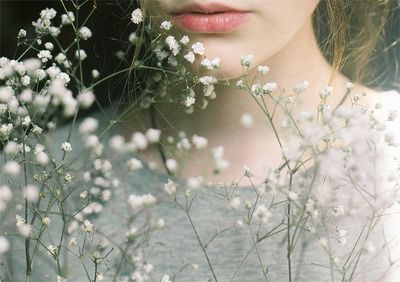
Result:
[208,8]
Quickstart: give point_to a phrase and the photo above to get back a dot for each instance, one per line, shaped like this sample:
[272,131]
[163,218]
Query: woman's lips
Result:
[224,21]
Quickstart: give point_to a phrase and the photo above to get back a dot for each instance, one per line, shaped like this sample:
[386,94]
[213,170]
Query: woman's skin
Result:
[280,35]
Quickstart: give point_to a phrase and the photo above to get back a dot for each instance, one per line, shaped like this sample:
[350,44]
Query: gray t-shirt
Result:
[229,246]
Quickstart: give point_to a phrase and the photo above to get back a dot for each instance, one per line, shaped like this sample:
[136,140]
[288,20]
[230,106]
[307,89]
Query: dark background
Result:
[110,25]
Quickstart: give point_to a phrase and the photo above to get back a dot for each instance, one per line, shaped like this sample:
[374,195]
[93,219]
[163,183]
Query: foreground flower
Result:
[137,16]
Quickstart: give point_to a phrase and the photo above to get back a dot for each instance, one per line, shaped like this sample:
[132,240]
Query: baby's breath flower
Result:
[246,120]
[80,54]
[173,45]
[51,250]
[216,62]
[326,92]
[208,80]
[88,226]
[198,48]
[246,60]
[349,85]
[86,99]
[199,141]
[184,40]
[263,70]
[46,221]
[95,74]
[170,187]
[206,63]
[292,196]
[4,245]
[190,57]
[153,135]
[189,101]
[134,164]
[67,18]
[21,33]
[236,203]
[262,213]
[49,46]
[85,33]
[171,165]
[167,25]
[137,16]
[247,171]
[300,88]
[12,168]
[165,278]
[44,55]
[140,140]
[31,193]
[66,147]
[88,125]
[83,194]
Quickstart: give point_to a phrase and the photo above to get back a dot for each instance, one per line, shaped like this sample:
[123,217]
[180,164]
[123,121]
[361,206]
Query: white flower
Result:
[189,101]
[263,70]
[21,33]
[83,194]
[67,18]
[137,16]
[25,80]
[88,226]
[46,221]
[198,48]
[173,45]
[199,141]
[246,60]
[247,171]
[246,120]
[184,40]
[80,54]
[153,135]
[301,87]
[4,245]
[165,278]
[292,196]
[190,57]
[349,85]
[5,193]
[170,187]
[66,147]
[88,125]
[48,14]
[262,213]
[171,165]
[269,87]
[137,202]
[95,74]
[208,80]
[326,92]
[206,63]
[86,99]
[140,140]
[235,203]
[12,168]
[31,193]
[51,250]
[49,46]
[134,164]
[44,55]
[167,25]
[85,33]
[216,62]
[117,143]
[42,158]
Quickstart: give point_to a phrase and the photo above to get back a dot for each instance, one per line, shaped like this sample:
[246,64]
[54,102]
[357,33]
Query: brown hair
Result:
[360,38]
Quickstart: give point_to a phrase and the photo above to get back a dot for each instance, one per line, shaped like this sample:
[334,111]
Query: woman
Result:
[204,234]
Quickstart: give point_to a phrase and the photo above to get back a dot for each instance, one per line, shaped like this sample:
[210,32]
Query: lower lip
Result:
[210,23]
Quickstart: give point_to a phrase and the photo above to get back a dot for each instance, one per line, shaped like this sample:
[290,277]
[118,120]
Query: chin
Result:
[229,52]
